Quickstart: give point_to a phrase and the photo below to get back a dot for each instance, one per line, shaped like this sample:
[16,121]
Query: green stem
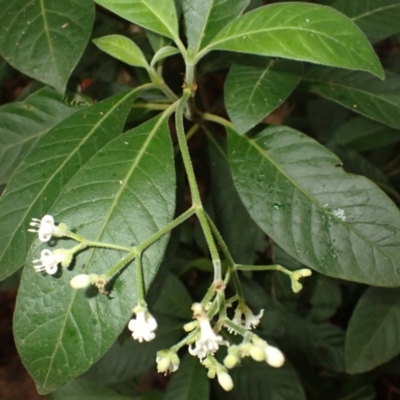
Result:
[211,244]
[242,331]
[140,280]
[151,106]
[217,119]
[159,83]
[107,246]
[184,149]
[143,246]
[274,267]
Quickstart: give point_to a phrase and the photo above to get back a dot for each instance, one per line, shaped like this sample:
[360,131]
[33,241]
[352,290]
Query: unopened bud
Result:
[257,353]
[80,281]
[231,361]
[274,357]
[225,380]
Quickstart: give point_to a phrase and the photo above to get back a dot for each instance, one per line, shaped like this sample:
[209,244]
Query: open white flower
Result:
[167,361]
[208,342]
[143,326]
[49,260]
[46,228]
[245,318]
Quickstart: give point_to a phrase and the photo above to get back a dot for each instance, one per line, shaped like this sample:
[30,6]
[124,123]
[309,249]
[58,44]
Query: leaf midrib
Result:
[376,10]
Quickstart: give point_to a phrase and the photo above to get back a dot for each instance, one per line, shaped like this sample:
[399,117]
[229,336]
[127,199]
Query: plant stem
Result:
[140,280]
[217,119]
[151,106]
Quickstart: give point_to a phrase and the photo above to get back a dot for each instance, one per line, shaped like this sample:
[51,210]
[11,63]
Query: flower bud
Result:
[80,281]
[274,357]
[225,380]
[231,361]
[257,353]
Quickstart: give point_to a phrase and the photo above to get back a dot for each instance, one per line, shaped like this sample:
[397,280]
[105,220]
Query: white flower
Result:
[250,320]
[49,260]
[208,342]
[47,228]
[143,326]
[167,361]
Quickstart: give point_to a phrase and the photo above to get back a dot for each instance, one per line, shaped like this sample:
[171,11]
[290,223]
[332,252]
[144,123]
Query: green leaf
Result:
[258,381]
[190,382]
[204,19]
[23,123]
[299,31]
[45,39]
[123,49]
[256,86]
[157,16]
[378,19]
[131,358]
[56,158]
[123,195]
[339,224]
[360,92]
[82,390]
[164,52]
[174,301]
[373,331]
[361,134]
[227,203]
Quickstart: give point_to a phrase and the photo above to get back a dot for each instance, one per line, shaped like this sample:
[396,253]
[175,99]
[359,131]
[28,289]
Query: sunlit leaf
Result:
[299,31]
[157,16]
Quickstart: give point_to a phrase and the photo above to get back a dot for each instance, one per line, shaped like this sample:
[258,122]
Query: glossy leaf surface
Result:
[158,16]
[361,92]
[123,49]
[61,331]
[23,123]
[45,39]
[204,19]
[339,224]
[373,331]
[361,134]
[189,382]
[39,179]
[300,31]
[256,86]
[378,19]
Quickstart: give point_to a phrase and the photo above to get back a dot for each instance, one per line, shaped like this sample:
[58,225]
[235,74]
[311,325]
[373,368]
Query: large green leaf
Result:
[23,123]
[158,16]
[39,179]
[256,86]
[362,134]
[190,382]
[258,381]
[339,224]
[123,195]
[299,31]
[378,19]
[361,92]
[373,331]
[45,39]
[204,19]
